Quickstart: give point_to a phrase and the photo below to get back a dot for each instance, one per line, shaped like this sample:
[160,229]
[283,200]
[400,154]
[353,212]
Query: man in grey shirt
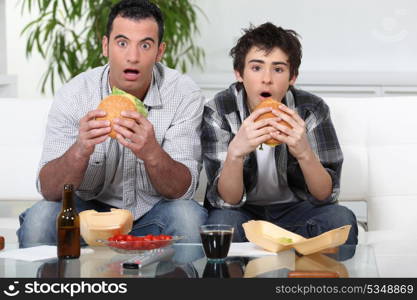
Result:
[153,165]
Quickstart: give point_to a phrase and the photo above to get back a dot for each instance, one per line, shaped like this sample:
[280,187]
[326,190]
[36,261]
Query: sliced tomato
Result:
[129,238]
[119,237]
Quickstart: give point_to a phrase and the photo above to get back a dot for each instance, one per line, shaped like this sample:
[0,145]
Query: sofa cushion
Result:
[393,212]
[348,117]
[24,122]
[354,178]
[392,148]
[393,121]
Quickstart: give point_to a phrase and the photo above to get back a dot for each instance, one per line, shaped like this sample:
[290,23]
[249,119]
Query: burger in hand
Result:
[275,105]
[117,102]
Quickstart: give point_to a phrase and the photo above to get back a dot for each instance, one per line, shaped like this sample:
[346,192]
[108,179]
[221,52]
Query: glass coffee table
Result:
[189,261]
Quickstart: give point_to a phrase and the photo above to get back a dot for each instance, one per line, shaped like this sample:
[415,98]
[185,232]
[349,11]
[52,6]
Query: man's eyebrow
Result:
[280,63]
[121,36]
[260,61]
[148,39]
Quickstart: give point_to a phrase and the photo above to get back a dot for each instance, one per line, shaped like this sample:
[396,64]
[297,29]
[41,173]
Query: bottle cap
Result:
[68,187]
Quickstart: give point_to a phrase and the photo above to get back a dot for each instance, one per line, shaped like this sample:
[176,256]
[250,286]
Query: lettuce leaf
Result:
[140,107]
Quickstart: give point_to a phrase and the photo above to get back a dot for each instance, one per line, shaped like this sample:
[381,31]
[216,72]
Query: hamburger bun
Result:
[113,105]
[273,104]
[117,102]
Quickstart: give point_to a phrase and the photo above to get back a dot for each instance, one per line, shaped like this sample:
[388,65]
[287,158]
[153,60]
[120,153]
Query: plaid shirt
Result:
[222,118]
[175,105]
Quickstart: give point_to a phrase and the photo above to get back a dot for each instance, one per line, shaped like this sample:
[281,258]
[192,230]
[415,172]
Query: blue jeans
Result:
[177,217]
[302,218]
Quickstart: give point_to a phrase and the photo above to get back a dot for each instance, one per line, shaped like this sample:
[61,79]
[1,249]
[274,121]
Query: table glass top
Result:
[189,261]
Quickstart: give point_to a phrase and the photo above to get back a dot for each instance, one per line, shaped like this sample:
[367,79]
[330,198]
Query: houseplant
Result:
[68,35]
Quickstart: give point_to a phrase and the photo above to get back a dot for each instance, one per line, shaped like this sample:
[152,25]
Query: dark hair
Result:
[267,37]
[136,10]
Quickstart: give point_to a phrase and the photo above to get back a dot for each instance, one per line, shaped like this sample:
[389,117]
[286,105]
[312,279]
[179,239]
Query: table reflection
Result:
[188,261]
[324,264]
[59,268]
[216,270]
[169,269]
[340,253]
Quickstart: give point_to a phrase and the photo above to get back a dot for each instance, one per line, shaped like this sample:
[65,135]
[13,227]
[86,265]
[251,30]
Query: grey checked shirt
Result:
[175,105]
[223,116]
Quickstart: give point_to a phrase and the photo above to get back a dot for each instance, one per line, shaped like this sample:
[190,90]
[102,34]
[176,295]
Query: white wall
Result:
[28,70]
[3,65]
[372,36]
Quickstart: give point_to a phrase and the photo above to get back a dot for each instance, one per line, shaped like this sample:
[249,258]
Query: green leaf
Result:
[140,107]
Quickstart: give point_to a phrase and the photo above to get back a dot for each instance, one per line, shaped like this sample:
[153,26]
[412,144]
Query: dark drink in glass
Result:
[216,240]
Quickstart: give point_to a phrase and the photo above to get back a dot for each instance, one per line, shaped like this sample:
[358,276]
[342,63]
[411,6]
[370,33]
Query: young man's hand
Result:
[92,132]
[251,134]
[295,137]
[137,134]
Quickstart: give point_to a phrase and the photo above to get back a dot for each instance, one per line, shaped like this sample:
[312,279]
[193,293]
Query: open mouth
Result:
[131,71]
[266,94]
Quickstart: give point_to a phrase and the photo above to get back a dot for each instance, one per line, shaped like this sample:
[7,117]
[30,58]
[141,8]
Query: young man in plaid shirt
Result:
[295,184]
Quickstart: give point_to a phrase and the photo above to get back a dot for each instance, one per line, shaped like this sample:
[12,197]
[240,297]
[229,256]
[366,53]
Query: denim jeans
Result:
[177,217]
[302,218]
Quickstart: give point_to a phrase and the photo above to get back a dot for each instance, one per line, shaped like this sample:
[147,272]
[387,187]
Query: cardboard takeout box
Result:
[275,239]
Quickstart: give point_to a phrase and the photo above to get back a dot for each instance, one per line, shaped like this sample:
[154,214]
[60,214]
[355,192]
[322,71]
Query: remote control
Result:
[148,258]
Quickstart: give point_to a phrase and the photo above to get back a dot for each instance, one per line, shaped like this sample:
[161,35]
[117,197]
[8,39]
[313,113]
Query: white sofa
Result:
[378,138]
[23,122]
[379,141]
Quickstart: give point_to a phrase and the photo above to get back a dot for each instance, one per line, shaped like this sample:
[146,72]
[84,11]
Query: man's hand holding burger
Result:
[252,133]
[286,127]
[136,133]
[92,132]
[295,137]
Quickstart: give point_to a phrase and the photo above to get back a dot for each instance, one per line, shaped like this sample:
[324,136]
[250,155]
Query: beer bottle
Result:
[68,226]
[1,242]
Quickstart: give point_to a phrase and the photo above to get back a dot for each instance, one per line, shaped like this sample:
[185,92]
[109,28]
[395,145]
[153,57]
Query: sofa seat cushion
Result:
[23,122]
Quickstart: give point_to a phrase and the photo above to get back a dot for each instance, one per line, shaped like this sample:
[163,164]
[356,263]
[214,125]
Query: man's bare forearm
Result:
[318,180]
[169,178]
[69,168]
